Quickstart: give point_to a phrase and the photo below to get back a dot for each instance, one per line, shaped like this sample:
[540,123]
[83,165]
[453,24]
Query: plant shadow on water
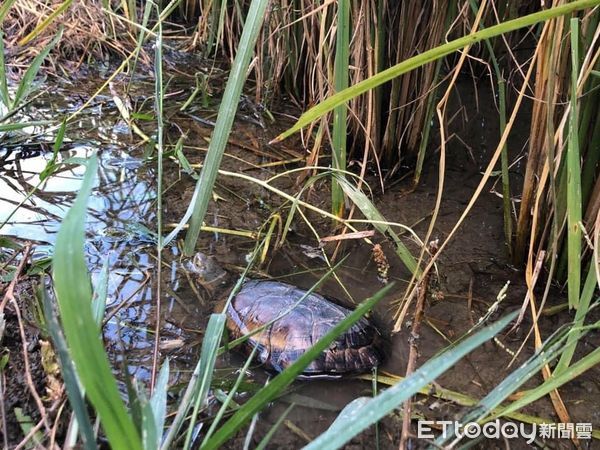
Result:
[122,211]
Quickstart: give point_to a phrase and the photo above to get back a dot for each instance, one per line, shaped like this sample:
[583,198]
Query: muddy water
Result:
[121,222]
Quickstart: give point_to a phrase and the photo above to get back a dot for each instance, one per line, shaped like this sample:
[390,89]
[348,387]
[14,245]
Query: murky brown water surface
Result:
[122,221]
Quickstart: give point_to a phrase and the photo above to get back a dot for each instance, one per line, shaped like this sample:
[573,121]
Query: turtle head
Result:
[207,271]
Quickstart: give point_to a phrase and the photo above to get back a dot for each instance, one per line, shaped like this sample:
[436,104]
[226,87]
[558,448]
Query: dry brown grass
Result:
[296,51]
[90,33]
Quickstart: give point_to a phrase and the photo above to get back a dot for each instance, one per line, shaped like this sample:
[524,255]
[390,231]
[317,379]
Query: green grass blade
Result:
[5,7]
[431,55]
[508,386]
[589,289]
[72,285]
[222,9]
[376,408]
[574,179]
[201,378]
[372,213]
[285,378]
[26,423]
[51,165]
[554,382]
[158,402]
[354,407]
[158,106]
[26,84]
[232,392]
[4,95]
[135,400]
[149,432]
[506,202]
[141,38]
[67,370]
[100,294]
[227,109]
[340,113]
[19,126]
[210,350]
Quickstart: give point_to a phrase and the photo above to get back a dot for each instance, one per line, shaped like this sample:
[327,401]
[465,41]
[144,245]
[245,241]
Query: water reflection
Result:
[122,196]
[120,211]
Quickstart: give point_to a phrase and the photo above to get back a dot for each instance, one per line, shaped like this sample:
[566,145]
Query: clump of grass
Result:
[559,207]
[302,49]
[98,29]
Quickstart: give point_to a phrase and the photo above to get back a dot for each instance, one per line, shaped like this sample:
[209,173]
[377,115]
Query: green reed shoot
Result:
[227,110]
[340,114]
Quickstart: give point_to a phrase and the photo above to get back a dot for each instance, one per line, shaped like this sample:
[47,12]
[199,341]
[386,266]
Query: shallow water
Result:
[121,224]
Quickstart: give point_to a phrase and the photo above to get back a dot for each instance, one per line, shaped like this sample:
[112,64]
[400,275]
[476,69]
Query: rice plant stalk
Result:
[158,107]
[431,55]
[574,177]
[506,201]
[587,294]
[4,94]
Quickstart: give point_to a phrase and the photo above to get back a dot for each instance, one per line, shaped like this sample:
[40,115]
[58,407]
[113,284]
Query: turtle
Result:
[292,320]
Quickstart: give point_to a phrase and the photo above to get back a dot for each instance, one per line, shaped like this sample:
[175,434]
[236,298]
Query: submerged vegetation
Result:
[379,86]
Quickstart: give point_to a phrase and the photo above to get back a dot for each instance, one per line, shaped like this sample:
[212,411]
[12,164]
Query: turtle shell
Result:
[296,325]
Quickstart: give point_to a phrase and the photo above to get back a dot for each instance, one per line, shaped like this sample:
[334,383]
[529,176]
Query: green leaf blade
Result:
[341,431]
[74,294]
